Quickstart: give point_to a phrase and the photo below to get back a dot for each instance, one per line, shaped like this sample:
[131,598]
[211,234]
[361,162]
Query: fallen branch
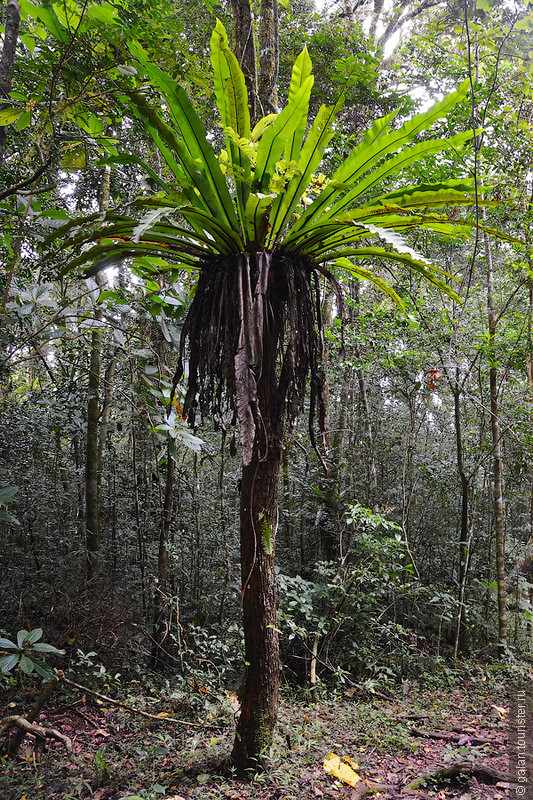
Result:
[13,745]
[357,687]
[39,732]
[106,699]
[482,772]
[365,788]
[464,738]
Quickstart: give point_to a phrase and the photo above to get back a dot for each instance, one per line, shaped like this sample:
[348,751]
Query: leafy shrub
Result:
[25,654]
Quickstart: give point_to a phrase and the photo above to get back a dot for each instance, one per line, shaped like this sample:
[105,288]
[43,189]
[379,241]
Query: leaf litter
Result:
[341,747]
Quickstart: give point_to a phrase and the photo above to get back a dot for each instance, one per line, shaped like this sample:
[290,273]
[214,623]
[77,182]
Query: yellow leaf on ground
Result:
[163,714]
[501,711]
[341,768]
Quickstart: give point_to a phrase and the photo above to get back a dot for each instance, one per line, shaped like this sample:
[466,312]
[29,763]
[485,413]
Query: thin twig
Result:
[107,699]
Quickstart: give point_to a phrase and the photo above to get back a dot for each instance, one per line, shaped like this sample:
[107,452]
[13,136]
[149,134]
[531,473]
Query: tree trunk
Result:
[259,368]
[160,631]
[268,57]
[261,394]
[92,504]
[258,517]
[498,497]
[7,62]
[243,28]
[464,549]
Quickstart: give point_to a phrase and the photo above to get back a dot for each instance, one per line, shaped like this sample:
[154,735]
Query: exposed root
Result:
[482,772]
[40,733]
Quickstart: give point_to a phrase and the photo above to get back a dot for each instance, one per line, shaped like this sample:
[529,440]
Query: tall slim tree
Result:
[497,453]
[252,335]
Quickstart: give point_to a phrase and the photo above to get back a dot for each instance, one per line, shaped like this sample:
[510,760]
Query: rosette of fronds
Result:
[260,228]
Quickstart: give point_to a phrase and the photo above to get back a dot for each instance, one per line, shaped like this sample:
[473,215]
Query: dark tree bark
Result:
[258,522]
[243,29]
[259,502]
[268,57]
[7,62]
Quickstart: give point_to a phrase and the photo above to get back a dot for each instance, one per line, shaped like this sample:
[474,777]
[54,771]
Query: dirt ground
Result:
[391,742]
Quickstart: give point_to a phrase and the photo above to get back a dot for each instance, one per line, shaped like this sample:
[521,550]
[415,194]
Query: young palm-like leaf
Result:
[278,134]
[311,156]
[232,101]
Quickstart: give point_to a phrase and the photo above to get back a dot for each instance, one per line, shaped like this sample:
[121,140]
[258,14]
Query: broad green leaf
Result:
[226,238]
[300,72]
[185,170]
[23,121]
[68,14]
[432,195]
[7,493]
[45,13]
[42,669]
[7,663]
[375,146]
[397,241]
[5,517]
[137,50]
[7,644]
[256,217]
[428,271]
[103,12]
[21,637]
[232,101]
[27,664]
[338,180]
[9,115]
[183,435]
[42,647]
[262,125]
[392,166]
[230,87]
[34,635]
[74,158]
[193,149]
[148,221]
[130,159]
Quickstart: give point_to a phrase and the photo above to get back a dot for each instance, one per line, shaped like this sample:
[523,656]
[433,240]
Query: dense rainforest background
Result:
[403,520]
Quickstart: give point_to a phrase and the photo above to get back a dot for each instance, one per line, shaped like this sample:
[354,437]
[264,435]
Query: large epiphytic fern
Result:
[254,197]
[259,227]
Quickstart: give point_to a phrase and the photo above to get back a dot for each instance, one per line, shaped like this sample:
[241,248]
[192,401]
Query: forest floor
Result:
[120,755]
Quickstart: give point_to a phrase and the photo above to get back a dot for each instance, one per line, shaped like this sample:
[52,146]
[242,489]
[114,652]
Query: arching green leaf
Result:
[276,136]
[300,72]
[232,101]
[193,139]
[368,275]
[310,157]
